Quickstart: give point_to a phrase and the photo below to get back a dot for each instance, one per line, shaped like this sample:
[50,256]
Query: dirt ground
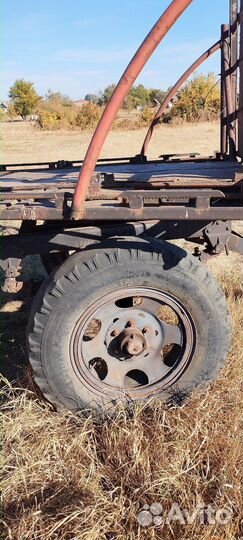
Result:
[23,142]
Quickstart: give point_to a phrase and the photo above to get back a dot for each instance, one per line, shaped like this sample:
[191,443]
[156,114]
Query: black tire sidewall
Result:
[103,277]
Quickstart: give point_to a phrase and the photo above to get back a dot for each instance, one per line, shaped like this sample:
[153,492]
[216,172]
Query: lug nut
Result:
[115,332]
[130,323]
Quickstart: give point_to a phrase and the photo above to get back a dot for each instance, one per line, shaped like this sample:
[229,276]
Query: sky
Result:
[79,47]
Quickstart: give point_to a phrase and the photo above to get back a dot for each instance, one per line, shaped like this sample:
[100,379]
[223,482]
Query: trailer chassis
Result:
[116,216]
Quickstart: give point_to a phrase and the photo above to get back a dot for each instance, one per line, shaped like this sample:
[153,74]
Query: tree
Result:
[141,95]
[107,93]
[158,95]
[58,97]
[92,97]
[11,111]
[24,97]
[138,96]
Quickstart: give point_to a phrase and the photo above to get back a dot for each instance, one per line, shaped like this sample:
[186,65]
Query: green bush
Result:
[88,116]
[54,115]
[146,117]
[198,100]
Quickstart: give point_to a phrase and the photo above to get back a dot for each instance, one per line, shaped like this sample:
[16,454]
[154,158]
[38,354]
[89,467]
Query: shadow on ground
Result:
[14,313]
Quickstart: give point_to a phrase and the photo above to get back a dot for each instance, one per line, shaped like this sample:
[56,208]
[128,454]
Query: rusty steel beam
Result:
[173,92]
[155,36]
[223,107]
[240,111]
[234,4]
[58,239]
[231,135]
[124,213]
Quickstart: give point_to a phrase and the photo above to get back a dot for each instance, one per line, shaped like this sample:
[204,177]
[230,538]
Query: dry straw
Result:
[67,477]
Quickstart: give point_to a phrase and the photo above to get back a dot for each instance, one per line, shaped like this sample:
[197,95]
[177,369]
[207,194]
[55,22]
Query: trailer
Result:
[125,314]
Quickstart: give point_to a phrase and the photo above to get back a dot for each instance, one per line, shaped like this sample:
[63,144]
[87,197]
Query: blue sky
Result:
[77,46]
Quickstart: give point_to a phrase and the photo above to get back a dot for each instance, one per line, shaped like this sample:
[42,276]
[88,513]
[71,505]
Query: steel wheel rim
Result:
[107,347]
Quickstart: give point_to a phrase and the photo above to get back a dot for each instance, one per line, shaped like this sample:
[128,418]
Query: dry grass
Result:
[67,477]
[23,142]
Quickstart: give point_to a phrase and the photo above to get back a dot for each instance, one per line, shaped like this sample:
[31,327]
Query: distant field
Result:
[22,141]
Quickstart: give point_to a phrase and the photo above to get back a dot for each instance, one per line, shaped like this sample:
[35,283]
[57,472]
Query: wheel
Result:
[124,323]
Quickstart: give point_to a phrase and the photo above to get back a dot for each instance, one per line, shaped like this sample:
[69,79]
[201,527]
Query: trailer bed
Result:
[199,188]
[189,171]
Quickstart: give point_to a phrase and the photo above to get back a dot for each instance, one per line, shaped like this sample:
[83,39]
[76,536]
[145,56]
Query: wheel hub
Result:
[133,341]
[133,335]
[131,344]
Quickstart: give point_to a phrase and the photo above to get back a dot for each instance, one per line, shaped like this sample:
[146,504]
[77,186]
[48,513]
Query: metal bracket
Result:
[137,199]
[61,164]
[95,186]
[217,235]
[11,267]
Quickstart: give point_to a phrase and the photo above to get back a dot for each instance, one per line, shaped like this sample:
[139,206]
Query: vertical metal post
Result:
[227,88]
[234,68]
[223,117]
[240,111]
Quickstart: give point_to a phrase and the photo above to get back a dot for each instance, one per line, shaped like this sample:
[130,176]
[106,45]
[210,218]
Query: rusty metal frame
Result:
[176,199]
[234,51]
[212,238]
[171,94]
[159,200]
[151,42]
[227,89]
[240,108]
[229,65]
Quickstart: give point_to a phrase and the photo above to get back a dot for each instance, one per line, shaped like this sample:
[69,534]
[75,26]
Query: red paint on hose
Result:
[173,92]
[155,36]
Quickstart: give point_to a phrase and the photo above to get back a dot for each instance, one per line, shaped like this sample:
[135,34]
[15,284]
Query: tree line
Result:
[199,99]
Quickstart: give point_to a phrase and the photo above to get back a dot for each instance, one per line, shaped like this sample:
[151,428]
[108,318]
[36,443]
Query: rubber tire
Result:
[62,298]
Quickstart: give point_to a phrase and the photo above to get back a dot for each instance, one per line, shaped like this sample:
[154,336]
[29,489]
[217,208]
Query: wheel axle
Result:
[133,341]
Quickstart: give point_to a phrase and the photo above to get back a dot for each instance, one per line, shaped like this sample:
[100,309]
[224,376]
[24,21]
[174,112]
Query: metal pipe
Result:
[223,107]
[240,111]
[173,92]
[234,68]
[228,89]
[155,36]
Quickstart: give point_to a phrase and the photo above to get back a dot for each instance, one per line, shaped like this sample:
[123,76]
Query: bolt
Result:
[130,323]
[115,332]
[146,330]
